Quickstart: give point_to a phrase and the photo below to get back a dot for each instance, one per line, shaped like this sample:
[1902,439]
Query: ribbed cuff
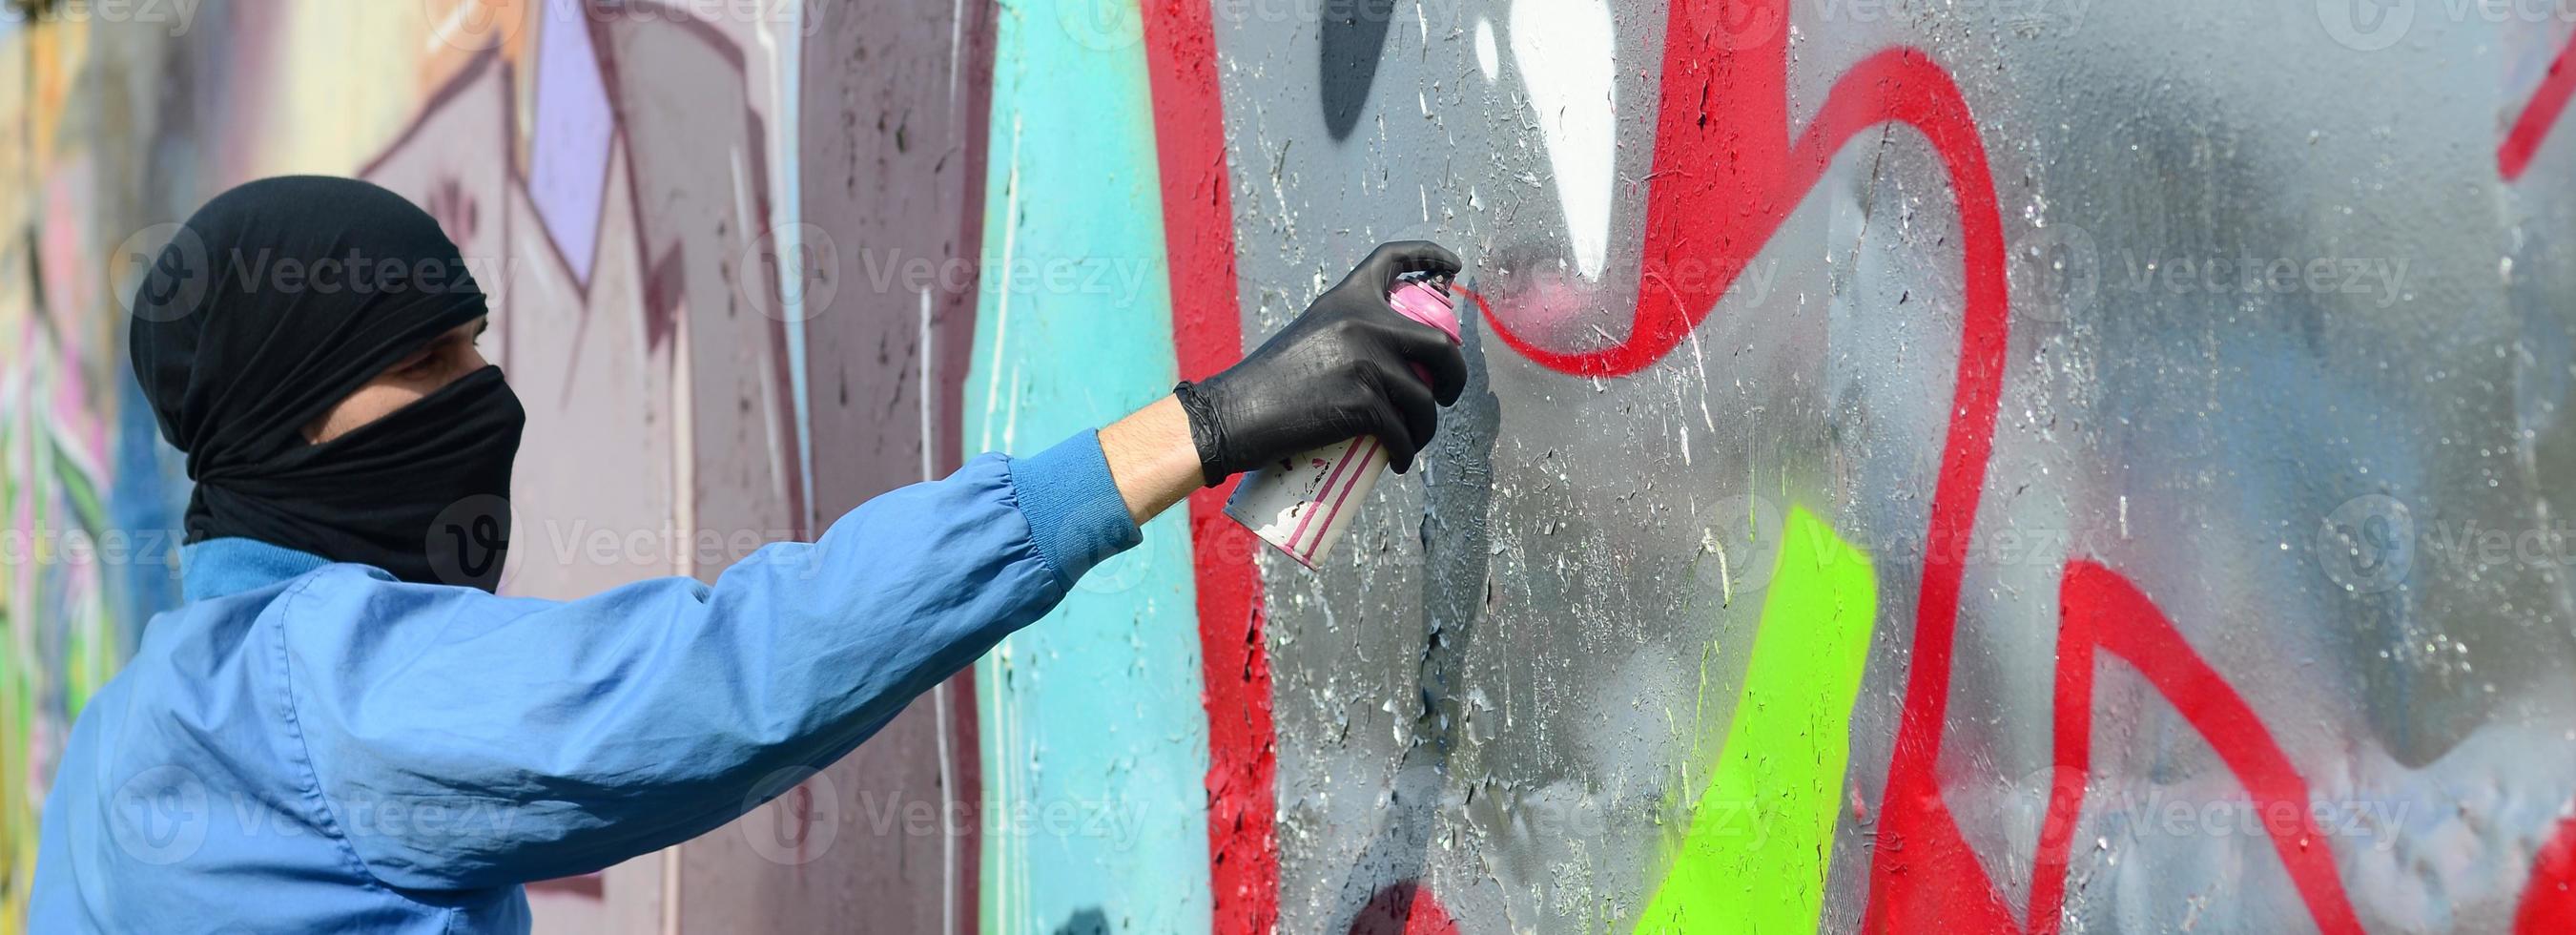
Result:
[1074,511]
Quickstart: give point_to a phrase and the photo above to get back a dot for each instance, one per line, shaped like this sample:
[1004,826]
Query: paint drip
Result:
[1303,502]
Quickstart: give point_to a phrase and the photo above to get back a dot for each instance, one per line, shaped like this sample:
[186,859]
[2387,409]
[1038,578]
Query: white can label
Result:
[1303,503]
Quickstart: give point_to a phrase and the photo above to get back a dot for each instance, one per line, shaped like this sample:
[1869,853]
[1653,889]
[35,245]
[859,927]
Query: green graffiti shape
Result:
[1754,857]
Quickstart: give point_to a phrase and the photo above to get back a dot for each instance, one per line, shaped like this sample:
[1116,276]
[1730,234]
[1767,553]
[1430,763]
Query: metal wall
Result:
[2168,369]
[1996,465]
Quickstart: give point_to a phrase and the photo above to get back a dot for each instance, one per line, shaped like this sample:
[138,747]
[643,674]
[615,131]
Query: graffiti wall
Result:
[1998,465]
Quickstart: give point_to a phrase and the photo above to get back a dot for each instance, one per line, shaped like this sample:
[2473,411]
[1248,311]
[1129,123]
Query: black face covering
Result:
[275,302]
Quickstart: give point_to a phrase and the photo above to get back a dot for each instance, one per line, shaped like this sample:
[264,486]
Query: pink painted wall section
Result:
[612,173]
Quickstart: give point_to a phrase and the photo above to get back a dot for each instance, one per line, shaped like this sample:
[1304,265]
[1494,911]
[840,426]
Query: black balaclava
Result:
[270,306]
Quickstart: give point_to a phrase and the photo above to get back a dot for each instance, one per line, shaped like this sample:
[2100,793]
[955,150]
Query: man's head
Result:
[309,342]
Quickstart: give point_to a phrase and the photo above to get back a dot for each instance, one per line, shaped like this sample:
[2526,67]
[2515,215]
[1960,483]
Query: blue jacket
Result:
[308,747]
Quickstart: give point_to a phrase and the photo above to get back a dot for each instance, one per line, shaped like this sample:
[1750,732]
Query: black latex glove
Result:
[1343,369]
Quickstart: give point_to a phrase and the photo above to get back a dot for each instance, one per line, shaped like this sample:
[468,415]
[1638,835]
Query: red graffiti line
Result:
[1403,909]
[2549,902]
[2548,102]
[1207,334]
[2099,609]
[1726,174]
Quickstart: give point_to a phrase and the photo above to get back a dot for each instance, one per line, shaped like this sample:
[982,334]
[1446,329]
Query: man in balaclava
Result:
[343,728]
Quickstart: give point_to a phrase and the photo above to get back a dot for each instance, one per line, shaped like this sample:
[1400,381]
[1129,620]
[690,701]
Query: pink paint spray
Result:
[1303,503]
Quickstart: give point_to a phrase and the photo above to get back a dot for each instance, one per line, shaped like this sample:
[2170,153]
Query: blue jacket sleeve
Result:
[460,740]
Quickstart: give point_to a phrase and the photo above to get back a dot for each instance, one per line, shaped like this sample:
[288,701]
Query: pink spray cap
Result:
[1422,301]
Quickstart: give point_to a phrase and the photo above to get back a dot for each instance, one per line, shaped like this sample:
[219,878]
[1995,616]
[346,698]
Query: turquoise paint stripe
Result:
[1094,742]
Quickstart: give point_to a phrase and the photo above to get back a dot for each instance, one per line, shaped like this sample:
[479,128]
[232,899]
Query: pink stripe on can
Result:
[1321,492]
[1373,445]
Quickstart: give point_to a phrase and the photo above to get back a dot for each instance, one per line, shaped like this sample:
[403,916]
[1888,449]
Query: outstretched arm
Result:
[581,733]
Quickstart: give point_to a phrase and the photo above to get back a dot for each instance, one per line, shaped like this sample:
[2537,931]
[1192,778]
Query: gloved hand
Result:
[1343,369]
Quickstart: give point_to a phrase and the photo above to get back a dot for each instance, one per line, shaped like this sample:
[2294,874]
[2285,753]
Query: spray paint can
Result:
[1303,502]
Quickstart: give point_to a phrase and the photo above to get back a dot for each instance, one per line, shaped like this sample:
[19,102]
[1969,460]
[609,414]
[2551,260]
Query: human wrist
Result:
[1152,458]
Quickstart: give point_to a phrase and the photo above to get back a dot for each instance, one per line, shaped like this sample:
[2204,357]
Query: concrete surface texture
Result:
[2019,465]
